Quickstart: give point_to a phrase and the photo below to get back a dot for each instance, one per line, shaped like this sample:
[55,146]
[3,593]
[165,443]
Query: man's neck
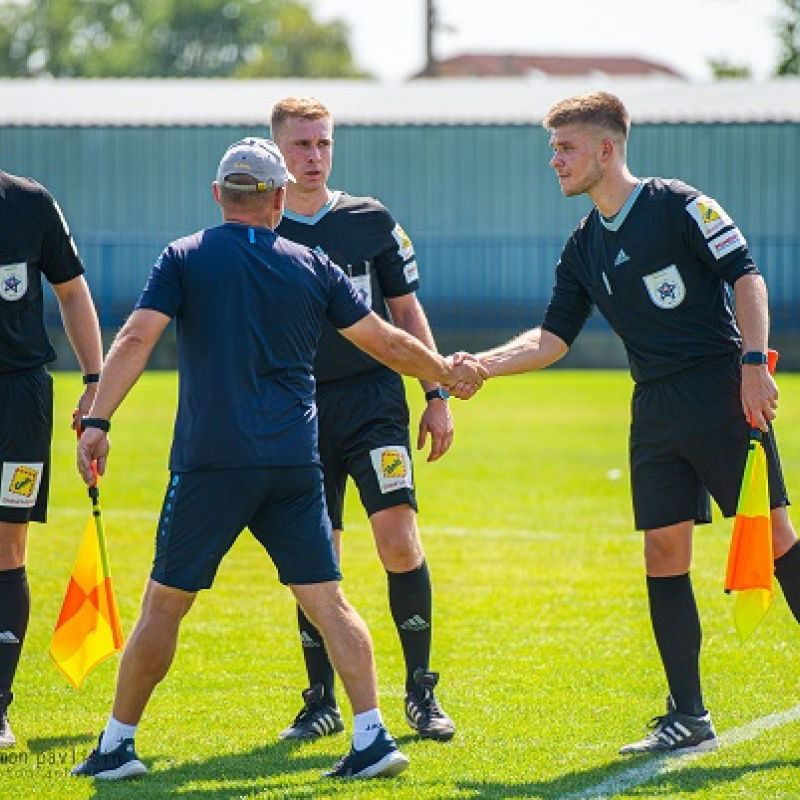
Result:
[611,194]
[307,204]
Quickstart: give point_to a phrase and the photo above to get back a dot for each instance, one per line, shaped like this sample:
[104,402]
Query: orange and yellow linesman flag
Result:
[88,629]
[750,559]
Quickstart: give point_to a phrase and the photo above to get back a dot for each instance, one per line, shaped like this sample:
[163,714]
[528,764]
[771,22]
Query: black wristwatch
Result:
[91,377]
[96,422]
[433,394]
[754,357]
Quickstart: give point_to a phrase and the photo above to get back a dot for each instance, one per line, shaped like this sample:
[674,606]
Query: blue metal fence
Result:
[473,280]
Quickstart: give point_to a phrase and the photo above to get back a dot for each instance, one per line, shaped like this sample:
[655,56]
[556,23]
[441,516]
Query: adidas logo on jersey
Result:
[307,641]
[7,637]
[415,623]
[621,258]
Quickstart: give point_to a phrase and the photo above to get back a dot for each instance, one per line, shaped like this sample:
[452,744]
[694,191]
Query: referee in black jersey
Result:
[363,414]
[660,260]
[34,243]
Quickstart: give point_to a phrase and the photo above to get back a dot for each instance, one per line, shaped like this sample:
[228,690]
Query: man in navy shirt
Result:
[35,246]
[249,307]
[660,260]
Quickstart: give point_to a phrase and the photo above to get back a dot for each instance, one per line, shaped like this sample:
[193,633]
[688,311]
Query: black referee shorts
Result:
[363,432]
[688,443]
[26,429]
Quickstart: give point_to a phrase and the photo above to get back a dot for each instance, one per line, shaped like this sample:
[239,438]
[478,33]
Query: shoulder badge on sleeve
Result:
[727,243]
[709,215]
[404,246]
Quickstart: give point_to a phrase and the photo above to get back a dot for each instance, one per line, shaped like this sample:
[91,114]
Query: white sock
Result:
[114,733]
[365,728]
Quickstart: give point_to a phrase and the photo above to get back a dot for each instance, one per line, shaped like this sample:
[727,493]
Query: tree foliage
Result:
[170,38]
[722,69]
[788,28]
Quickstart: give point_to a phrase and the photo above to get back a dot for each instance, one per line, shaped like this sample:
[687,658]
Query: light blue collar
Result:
[615,223]
[294,217]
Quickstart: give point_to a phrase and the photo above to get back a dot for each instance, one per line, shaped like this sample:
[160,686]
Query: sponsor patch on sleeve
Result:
[411,271]
[404,246]
[19,485]
[709,215]
[392,467]
[727,243]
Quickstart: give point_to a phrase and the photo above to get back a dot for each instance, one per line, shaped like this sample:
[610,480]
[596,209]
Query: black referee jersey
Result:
[660,272]
[34,241]
[361,236]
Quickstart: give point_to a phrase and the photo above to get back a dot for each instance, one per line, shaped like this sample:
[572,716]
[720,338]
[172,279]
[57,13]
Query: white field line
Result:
[637,776]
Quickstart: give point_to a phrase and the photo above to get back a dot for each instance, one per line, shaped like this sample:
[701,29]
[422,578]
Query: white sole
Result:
[130,770]
[391,764]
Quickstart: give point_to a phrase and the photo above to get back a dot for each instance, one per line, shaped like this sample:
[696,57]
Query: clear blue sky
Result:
[387,36]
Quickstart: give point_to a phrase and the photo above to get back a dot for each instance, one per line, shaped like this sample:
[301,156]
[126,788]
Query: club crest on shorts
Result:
[13,281]
[392,467]
[19,485]
[665,287]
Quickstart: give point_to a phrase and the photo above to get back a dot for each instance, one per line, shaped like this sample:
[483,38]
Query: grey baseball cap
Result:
[259,158]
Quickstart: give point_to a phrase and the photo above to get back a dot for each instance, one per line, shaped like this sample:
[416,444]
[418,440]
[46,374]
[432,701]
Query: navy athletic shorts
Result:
[204,511]
[363,432]
[688,443]
[26,429]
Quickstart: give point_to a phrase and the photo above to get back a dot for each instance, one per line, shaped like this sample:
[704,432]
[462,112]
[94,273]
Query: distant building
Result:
[505,65]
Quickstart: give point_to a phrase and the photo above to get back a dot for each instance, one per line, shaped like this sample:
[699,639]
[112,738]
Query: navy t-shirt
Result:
[660,272]
[250,307]
[34,241]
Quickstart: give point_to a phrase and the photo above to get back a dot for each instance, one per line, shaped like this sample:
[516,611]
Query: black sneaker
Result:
[423,712]
[380,759]
[7,738]
[119,763]
[675,732]
[317,718]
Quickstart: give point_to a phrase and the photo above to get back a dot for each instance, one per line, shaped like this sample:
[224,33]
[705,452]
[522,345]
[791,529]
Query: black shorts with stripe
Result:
[688,444]
[26,430]
[363,433]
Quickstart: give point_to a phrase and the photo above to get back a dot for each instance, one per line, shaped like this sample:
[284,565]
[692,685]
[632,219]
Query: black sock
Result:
[411,604]
[15,611]
[676,625]
[787,571]
[318,665]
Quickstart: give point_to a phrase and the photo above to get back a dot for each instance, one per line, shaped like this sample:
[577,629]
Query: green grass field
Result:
[542,633]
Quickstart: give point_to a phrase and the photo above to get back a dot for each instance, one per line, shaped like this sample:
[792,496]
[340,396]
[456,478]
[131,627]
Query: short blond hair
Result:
[598,109]
[296,108]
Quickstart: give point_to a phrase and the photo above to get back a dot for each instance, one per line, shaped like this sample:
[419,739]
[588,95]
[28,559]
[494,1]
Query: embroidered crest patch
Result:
[665,287]
[13,281]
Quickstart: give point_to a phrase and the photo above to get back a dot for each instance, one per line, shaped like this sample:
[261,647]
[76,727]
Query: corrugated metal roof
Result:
[156,102]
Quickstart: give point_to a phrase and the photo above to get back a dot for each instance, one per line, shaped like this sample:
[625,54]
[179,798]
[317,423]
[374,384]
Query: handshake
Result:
[465,375]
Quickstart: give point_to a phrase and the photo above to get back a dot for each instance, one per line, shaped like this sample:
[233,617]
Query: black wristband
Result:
[92,377]
[755,357]
[96,422]
[433,394]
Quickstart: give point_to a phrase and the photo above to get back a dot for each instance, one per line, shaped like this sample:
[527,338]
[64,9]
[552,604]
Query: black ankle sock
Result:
[15,611]
[411,604]
[787,571]
[676,625]
[318,665]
